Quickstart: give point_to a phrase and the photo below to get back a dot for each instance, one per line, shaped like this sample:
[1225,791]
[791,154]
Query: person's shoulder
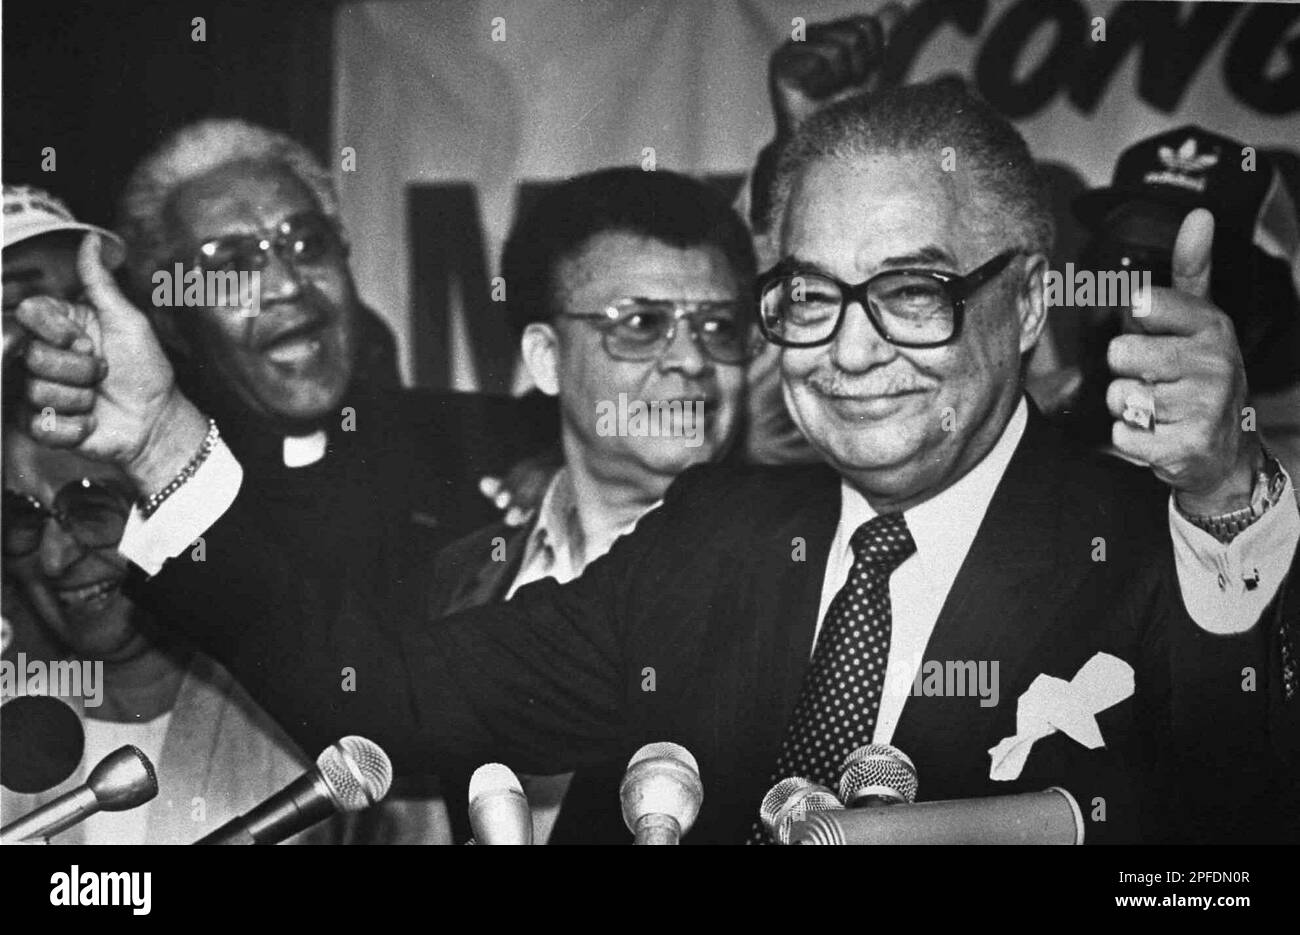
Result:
[212,697]
[731,486]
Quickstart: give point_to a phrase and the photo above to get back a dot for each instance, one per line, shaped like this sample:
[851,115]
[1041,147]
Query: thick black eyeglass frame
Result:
[59,513]
[958,287]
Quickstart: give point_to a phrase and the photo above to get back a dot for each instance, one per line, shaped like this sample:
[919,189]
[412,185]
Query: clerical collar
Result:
[304,450]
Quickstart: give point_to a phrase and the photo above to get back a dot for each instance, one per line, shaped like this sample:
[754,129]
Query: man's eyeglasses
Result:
[908,307]
[92,513]
[304,240]
[642,329]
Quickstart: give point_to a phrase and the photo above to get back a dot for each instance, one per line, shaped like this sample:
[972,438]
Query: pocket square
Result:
[1051,704]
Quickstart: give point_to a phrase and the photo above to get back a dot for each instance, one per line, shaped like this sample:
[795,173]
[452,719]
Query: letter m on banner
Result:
[449,282]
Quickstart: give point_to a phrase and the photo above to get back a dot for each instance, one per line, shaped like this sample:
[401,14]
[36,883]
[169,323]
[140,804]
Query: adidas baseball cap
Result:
[31,212]
[1159,179]
[1186,168]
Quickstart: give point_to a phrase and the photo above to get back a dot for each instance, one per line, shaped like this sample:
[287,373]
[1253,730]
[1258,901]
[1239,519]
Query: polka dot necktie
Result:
[840,696]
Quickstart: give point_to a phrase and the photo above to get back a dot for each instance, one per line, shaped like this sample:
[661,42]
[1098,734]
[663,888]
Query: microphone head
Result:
[356,771]
[792,800]
[42,741]
[498,808]
[123,780]
[661,779]
[491,778]
[878,771]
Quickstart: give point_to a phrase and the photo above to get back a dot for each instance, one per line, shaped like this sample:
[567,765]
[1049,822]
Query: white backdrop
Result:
[423,93]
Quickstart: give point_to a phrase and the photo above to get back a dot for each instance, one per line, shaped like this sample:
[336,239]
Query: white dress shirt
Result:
[943,529]
[558,546]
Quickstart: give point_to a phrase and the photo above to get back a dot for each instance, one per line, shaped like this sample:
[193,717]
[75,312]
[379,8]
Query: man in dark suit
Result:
[773,619]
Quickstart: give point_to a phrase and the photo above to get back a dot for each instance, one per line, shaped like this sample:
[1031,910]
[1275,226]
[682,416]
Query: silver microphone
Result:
[120,781]
[350,775]
[1048,817]
[792,800]
[661,793]
[498,808]
[877,774]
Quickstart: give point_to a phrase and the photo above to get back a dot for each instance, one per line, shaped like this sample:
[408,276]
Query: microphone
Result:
[1048,817]
[792,800]
[120,781]
[498,808]
[350,775]
[661,793]
[877,774]
[43,742]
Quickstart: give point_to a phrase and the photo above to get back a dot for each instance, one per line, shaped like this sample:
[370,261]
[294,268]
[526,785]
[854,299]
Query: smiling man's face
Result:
[615,265]
[293,359]
[902,423]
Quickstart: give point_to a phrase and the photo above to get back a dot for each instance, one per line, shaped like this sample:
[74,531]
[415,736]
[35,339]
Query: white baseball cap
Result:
[31,212]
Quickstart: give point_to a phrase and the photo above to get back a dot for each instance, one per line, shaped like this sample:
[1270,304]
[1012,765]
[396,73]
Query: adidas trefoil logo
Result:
[1186,158]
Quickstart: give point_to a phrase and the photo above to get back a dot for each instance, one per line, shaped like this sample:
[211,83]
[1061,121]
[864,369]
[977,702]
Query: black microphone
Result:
[351,775]
[120,781]
[877,774]
[498,808]
[1049,817]
[661,793]
[42,741]
[792,800]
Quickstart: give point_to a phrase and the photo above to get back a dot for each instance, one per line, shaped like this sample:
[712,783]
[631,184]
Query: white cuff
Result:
[1226,587]
[184,516]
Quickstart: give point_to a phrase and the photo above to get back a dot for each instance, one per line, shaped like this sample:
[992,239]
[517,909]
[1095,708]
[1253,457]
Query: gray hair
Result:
[1010,195]
[189,153]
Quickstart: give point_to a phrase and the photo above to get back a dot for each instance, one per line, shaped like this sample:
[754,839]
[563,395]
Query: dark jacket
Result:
[708,598]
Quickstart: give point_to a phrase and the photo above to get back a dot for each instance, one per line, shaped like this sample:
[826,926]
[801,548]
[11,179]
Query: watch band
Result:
[1270,481]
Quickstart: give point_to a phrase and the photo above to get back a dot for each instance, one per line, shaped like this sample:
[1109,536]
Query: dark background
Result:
[102,83]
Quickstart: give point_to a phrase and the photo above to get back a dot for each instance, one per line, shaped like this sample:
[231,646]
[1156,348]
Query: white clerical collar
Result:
[944,526]
[302,450]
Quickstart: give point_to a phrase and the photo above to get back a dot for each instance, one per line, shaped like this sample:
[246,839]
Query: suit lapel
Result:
[786,591]
[994,611]
[490,581]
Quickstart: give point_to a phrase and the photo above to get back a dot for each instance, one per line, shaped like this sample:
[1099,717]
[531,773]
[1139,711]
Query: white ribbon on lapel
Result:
[1051,704]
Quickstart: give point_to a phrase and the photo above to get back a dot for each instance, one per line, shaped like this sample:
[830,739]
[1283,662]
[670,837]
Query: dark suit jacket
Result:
[465,574]
[709,597]
[399,480]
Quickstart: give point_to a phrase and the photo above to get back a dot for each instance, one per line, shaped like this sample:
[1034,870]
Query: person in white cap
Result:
[41,238]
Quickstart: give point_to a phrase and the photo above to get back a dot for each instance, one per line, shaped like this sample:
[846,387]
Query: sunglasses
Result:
[92,513]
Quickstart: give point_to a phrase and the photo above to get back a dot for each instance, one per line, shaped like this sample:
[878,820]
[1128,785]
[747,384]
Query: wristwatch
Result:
[1270,481]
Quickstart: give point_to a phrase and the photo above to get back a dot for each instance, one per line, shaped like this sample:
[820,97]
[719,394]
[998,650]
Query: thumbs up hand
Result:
[99,382]
[1183,363]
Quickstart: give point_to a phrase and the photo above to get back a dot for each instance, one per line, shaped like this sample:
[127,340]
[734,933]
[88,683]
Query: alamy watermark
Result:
[61,678]
[951,678]
[670,418]
[196,288]
[1085,288]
